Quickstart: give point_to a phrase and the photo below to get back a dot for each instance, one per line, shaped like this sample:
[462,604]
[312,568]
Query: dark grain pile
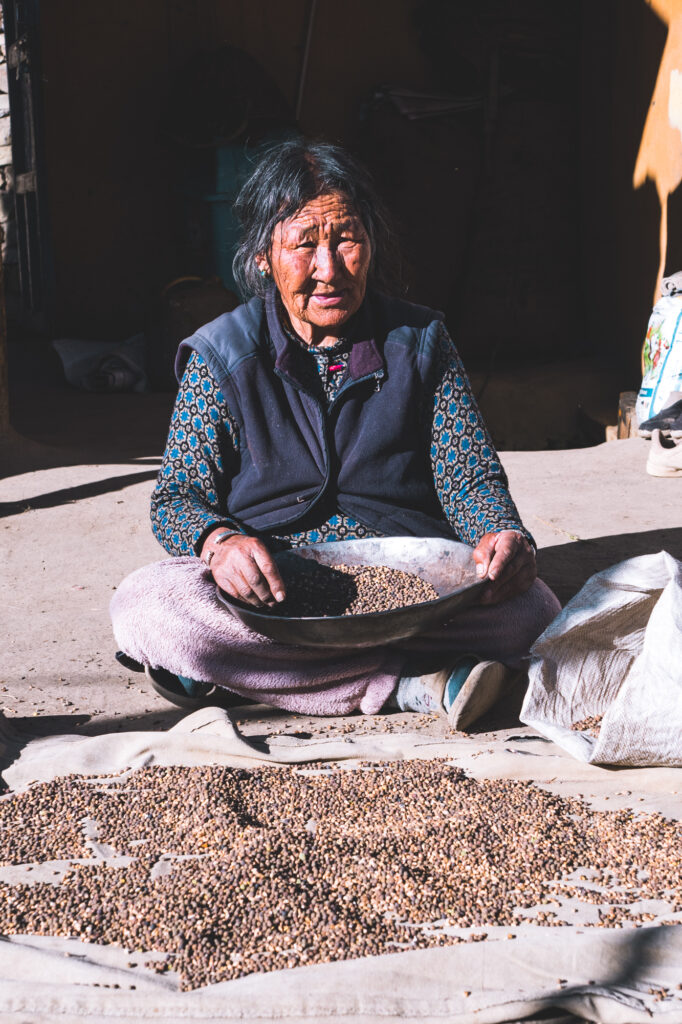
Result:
[590,725]
[290,868]
[351,590]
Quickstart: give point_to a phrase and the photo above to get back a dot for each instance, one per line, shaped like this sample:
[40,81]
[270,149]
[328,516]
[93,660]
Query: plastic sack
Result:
[662,351]
[615,650]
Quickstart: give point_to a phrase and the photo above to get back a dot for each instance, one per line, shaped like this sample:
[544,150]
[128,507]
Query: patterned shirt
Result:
[202,452]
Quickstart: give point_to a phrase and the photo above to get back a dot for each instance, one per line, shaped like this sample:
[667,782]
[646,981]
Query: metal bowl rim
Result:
[365,616]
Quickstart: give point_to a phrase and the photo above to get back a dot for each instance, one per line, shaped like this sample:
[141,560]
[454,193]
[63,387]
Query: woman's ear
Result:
[263,265]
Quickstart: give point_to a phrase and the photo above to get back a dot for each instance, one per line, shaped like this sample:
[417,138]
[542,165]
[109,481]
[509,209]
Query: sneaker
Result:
[665,457]
[661,421]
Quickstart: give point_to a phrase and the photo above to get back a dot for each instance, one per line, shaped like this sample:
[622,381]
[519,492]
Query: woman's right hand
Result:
[244,568]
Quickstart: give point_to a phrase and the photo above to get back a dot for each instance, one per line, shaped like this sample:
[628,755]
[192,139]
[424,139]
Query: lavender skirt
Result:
[167,615]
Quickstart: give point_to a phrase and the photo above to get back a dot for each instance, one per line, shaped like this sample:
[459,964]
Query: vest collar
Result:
[364,359]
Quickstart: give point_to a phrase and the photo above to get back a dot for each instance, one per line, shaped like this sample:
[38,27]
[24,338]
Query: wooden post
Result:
[627,418]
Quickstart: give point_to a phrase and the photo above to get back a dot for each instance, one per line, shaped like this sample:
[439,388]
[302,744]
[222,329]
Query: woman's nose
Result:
[326,263]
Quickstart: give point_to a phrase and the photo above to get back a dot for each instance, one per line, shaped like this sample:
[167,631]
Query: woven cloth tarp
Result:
[609,975]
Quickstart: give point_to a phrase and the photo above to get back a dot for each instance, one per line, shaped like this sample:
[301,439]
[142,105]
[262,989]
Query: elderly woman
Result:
[323,409]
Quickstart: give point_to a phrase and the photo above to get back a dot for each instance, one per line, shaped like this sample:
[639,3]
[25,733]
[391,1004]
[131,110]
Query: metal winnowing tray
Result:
[446,564]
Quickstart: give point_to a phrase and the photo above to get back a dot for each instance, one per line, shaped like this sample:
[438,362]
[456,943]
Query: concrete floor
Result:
[74,522]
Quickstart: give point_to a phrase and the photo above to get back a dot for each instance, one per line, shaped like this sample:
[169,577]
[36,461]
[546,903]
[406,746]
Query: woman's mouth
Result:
[329,299]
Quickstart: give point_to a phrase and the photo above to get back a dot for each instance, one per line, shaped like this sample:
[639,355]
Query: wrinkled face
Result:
[319,261]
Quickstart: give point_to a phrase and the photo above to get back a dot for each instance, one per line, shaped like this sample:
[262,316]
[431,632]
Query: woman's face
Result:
[319,262]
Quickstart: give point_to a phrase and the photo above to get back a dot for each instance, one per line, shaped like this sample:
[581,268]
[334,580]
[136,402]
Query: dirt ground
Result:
[75,481]
[75,521]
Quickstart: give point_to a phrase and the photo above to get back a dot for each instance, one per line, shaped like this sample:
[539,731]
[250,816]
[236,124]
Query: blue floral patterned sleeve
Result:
[470,482]
[191,486]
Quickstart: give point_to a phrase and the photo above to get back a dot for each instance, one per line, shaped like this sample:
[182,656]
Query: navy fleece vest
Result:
[367,455]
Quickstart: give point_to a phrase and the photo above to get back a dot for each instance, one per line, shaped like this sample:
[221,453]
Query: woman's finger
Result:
[483,553]
[259,571]
[226,584]
[254,576]
[236,568]
[229,575]
[250,581]
[516,564]
[269,570]
[512,570]
[507,547]
[232,581]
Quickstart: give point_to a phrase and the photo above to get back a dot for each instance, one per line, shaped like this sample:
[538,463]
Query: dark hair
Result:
[291,174]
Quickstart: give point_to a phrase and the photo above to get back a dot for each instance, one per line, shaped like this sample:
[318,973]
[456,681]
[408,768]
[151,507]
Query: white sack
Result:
[615,650]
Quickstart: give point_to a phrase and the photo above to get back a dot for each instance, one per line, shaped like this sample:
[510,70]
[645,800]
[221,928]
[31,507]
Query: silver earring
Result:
[263,273]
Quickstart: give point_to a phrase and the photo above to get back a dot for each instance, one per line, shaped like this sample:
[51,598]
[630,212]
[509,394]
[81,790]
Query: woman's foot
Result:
[464,691]
[468,697]
[190,694]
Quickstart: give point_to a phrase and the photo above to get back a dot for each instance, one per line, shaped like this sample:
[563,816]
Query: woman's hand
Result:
[509,562]
[244,568]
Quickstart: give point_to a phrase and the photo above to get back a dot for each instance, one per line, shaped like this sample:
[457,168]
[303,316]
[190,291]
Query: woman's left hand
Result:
[508,560]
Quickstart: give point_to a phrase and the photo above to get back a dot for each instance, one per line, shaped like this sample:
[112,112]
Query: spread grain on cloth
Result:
[615,961]
[235,871]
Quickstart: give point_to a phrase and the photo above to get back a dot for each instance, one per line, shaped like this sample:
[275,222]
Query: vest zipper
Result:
[378,376]
[327,460]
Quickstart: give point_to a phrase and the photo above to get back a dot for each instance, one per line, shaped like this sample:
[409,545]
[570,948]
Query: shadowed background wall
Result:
[545,250]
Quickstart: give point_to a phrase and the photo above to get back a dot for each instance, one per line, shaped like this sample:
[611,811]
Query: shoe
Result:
[463,692]
[470,698]
[662,421]
[124,659]
[665,457]
[676,428]
[189,694]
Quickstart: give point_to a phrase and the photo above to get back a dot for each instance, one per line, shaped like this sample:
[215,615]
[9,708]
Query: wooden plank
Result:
[627,418]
